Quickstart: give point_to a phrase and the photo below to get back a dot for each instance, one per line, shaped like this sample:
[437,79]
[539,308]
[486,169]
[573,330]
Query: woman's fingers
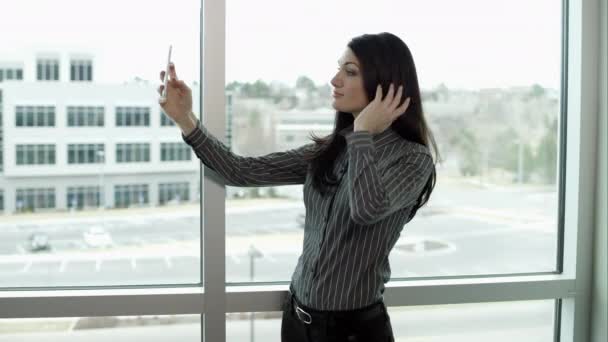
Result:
[162,76]
[401,109]
[172,71]
[389,95]
[378,93]
[395,102]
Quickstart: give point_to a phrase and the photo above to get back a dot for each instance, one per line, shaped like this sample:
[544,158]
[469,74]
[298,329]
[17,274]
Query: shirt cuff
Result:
[198,136]
[360,142]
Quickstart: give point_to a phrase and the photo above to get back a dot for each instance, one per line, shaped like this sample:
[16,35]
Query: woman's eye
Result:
[348,72]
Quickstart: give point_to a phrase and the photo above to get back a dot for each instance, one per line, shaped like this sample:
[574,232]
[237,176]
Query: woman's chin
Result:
[336,106]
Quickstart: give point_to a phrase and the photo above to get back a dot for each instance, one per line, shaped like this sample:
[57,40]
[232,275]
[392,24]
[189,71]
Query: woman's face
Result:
[349,94]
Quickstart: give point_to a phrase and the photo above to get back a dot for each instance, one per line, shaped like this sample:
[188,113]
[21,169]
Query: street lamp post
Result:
[102,160]
[253,253]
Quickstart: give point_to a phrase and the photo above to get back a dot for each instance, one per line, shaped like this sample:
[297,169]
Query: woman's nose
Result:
[335,81]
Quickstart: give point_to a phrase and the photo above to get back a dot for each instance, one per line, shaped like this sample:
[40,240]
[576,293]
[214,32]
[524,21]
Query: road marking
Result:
[98,265]
[168,262]
[133,263]
[235,259]
[26,267]
[62,265]
[20,249]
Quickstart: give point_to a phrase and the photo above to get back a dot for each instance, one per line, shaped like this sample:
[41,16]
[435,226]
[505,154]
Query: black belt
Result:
[308,315]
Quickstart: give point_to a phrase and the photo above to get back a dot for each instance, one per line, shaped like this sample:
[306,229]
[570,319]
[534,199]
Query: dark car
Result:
[39,242]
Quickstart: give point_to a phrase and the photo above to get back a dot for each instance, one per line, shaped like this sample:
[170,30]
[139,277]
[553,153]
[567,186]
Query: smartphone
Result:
[163,96]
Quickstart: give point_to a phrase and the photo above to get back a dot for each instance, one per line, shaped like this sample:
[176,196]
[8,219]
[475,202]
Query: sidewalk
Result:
[184,210]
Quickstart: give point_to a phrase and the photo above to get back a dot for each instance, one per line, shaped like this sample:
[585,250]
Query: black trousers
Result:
[370,324]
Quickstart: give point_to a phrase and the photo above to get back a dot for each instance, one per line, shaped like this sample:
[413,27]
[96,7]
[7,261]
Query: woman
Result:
[362,184]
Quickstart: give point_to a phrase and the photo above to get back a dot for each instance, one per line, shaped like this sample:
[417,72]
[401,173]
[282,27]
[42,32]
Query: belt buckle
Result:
[299,312]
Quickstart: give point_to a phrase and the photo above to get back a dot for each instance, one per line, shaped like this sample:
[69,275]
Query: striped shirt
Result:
[350,231]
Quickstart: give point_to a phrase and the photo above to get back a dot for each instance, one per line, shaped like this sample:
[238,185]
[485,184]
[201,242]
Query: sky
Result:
[468,44]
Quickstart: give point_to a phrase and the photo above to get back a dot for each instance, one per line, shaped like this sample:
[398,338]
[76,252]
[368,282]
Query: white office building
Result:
[67,142]
[293,130]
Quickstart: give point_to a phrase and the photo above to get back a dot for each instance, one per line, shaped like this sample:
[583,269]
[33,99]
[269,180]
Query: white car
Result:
[97,237]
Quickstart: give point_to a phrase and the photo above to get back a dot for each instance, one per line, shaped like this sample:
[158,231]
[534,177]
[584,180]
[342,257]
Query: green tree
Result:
[468,147]
[546,161]
[304,82]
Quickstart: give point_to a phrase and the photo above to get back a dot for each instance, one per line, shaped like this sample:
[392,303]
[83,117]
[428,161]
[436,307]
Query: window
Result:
[83,196]
[173,193]
[1,200]
[132,116]
[47,70]
[132,152]
[498,200]
[175,152]
[81,116]
[165,120]
[85,153]
[34,116]
[130,195]
[81,70]
[31,199]
[38,154]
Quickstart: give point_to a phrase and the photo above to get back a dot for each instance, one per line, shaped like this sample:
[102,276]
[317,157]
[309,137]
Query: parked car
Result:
[38,242]
[96,236]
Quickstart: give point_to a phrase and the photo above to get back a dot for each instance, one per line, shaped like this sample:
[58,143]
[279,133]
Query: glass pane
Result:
[64,240]
[494,114]
[530,321]
[185,328]
[253,326]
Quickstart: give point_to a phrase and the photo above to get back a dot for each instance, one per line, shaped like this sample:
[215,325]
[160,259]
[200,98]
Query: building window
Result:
[39,154]
[175,151]
[35,116]
[47,70]
[85,153]
[30,199]
[173,192]
[19,74]
[79,197]
[81,70]
[133,152]
[79,116]
[130,194]
[1,200]
[132,116]
[165,120]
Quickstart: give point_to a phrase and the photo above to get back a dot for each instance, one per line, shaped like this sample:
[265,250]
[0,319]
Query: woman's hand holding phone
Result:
[177,102]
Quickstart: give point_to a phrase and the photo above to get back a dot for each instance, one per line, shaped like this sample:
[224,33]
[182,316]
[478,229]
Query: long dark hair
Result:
[384,59]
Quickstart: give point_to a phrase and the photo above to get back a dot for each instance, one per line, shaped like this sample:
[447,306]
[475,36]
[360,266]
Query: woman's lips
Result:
[336,94]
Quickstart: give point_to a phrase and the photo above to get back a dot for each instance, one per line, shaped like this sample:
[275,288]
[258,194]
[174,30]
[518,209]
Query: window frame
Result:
[212,298]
